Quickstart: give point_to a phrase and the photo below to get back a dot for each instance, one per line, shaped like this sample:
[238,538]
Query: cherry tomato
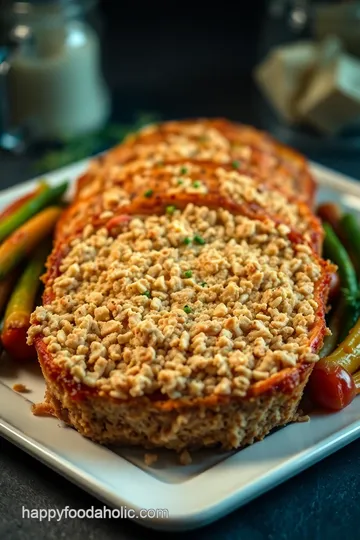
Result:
[331,386]
[334,285]
[14,342]
[330,213]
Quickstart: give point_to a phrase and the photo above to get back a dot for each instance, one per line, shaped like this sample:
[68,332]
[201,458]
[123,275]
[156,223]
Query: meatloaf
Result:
[216,140]
[185,297]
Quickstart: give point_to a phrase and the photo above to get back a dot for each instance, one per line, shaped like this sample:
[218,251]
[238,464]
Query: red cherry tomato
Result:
[334,285]
[331,386]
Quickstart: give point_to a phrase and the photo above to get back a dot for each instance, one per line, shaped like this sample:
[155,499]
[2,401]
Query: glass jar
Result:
[54,84]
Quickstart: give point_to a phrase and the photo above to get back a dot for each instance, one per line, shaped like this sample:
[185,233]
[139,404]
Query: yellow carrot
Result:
[21,304]
[22,242]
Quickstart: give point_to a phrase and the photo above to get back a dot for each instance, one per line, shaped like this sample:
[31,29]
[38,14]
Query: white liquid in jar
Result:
[58,91]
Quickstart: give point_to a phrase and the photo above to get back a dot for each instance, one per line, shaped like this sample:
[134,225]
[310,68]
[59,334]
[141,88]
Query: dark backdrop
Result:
[181,58]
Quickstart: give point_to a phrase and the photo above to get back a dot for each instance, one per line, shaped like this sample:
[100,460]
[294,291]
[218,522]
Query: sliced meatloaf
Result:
[180,327]
[177,183]
[216,140]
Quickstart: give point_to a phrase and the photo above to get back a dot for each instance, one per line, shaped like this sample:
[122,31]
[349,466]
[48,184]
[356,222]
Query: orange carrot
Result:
[20,306]
[14,206]
[26,238]
[6,286]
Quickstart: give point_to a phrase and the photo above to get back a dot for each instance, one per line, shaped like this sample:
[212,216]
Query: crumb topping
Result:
[189,303]
[150,459]
[197,140]
[21,388]
[125,183]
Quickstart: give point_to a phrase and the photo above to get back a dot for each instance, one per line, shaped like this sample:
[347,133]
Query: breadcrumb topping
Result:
[201,142]
[189,303]
[122,185]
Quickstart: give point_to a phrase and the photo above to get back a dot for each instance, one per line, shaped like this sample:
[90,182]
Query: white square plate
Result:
[215,483]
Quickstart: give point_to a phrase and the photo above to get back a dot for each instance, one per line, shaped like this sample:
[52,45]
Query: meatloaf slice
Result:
[176,183]
[216,140]
[180,329]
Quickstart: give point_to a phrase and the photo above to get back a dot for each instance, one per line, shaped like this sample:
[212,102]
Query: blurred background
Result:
[75,76]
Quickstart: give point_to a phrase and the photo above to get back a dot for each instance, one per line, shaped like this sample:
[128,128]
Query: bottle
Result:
[55,87]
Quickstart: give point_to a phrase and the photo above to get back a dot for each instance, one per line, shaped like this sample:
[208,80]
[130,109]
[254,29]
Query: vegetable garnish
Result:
[196,184]
[188,274]
[21,305]
[170,210]
[147,293]
[347,353]
[6,286]
[199,240]
[335,251]
[148,193]
[330,213]
[187,309]
[30,208]
[350,230]
[24,239]
[203,284]
[236,164]
[183,170]
[356,379]
[187,241]
[331,386]
[18,203]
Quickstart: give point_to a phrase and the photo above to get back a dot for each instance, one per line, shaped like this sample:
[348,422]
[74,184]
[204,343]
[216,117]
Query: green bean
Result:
[350,230]
[22,303]
[30,208]
[335,251]
[26,238]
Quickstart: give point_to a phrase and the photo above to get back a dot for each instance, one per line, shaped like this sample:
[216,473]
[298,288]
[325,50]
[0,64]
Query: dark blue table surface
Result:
[197,65]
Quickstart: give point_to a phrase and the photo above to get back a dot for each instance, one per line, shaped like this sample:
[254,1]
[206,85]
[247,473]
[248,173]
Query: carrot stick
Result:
[21,305]
[14,206]
[6,286]
[21,242]
[50,195]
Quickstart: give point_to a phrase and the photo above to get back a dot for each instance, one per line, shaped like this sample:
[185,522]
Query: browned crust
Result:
[230,422]
[89,210]
[284,381]
[279,164]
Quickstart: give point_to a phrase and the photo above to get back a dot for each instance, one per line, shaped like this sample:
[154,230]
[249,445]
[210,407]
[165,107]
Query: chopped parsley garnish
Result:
[187,241]
[188,273]
[180,182]
[170,210]
[236,164]
[148,193]
[199,240]
[196,184]
[203,284]
[147,293]
[183,170]
[187,309]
